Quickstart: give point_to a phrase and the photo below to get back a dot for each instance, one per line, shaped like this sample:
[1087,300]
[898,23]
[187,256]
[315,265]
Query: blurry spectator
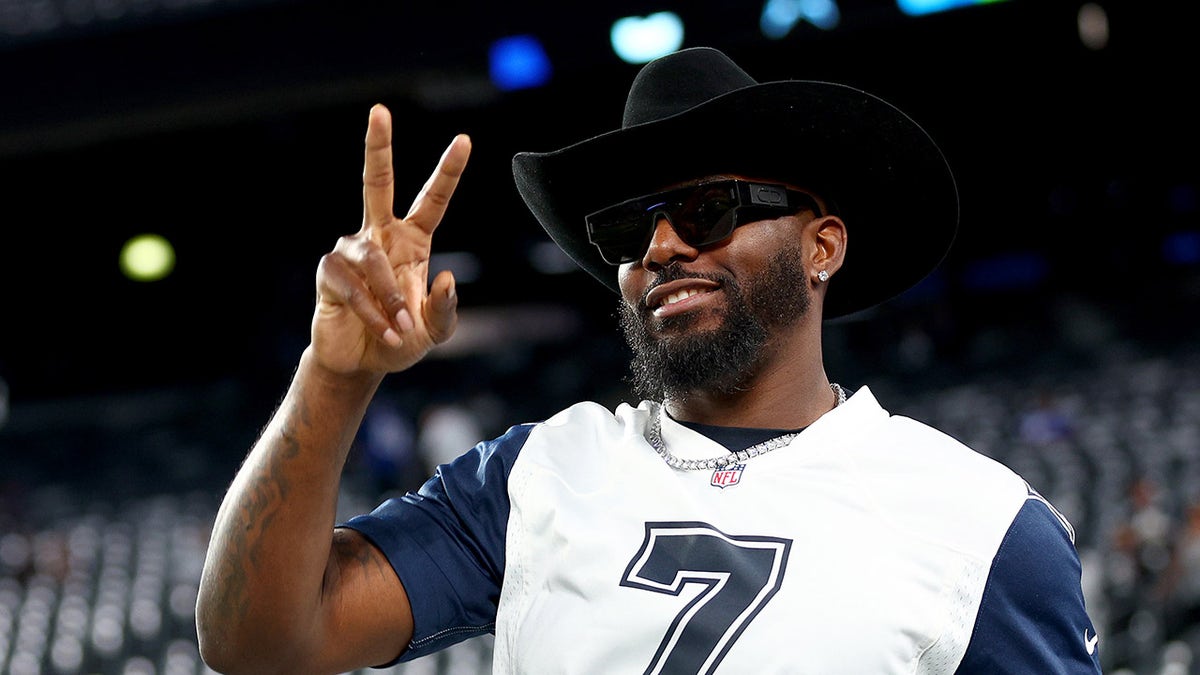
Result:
[1047,422]
[1150,522]
[916,350]
[447,430]
[1145,536]
[1139,558]
[387,442]
[1179,586]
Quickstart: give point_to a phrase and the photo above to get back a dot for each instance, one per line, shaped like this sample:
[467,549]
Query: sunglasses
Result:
[700,214]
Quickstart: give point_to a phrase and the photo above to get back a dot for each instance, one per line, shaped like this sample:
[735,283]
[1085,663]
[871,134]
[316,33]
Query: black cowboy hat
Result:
[695,113]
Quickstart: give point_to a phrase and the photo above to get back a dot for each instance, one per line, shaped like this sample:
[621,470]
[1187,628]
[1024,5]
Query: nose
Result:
[666,246]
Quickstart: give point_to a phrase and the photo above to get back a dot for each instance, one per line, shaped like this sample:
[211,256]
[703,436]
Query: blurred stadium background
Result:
[1060,335]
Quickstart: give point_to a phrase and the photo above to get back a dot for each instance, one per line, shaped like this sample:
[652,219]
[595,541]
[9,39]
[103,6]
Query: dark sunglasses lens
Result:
[700,216]
[708,214]
[619,231]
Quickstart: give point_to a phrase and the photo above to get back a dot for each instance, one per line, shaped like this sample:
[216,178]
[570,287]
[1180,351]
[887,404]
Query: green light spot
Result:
[147,257]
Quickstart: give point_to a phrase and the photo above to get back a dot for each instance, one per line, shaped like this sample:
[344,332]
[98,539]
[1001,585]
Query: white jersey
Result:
[872,543]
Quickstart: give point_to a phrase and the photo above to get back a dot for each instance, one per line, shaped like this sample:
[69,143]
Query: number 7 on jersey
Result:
[739,575]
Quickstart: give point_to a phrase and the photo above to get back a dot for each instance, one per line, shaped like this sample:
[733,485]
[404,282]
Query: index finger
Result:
[430,205]
[378,173]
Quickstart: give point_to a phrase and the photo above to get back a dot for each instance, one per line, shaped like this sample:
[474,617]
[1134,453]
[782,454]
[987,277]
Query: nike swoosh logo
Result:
[1090,642]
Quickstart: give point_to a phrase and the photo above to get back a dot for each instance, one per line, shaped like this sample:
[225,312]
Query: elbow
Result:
[223,645]
[218,659]
[228,658]
[261,661]
[236,646]
[218,648]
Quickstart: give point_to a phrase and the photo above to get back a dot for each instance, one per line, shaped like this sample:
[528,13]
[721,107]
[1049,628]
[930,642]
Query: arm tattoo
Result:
[256,508]
[353,551]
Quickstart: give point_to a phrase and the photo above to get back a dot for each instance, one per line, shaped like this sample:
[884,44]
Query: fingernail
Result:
[404,320]
[391,337]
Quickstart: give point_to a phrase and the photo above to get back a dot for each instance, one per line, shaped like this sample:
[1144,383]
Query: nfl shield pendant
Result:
[727,476]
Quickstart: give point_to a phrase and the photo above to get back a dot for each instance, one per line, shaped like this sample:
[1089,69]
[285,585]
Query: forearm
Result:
[271,540]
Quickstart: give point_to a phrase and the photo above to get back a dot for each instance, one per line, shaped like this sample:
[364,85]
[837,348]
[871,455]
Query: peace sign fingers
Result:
[379,177]
[377,311]
[430,204]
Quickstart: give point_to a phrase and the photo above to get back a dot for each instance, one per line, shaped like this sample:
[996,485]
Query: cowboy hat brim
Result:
[888,179]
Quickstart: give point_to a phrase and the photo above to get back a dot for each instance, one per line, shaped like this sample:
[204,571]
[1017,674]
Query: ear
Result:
[827,235]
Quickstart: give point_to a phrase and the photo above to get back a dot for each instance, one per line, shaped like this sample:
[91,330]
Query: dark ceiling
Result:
[236,131]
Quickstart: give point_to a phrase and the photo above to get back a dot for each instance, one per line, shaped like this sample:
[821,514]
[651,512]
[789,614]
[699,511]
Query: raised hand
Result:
[376,310]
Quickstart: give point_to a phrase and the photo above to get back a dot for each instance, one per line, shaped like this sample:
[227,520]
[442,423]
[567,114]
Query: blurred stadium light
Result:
[147,257]
[780,16]
[639,39]
[1010,271]
[1182,248]
[518,62]
[921,7]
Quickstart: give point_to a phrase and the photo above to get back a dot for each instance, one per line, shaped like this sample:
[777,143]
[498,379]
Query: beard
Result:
[722,360]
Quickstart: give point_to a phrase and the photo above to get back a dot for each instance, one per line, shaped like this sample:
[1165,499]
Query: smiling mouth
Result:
[679,296]
[681,301]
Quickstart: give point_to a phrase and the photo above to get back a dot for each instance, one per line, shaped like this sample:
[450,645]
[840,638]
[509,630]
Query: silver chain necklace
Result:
[654,436]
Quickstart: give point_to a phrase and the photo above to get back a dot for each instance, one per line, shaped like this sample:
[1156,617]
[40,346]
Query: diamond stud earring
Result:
[823,275]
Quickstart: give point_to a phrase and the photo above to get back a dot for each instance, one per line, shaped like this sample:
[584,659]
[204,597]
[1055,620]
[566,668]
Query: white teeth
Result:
[679,295]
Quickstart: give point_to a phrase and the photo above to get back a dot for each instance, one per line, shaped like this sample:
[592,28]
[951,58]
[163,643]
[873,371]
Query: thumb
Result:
[441,310]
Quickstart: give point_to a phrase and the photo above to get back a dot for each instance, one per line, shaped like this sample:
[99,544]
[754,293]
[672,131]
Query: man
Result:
[748,516]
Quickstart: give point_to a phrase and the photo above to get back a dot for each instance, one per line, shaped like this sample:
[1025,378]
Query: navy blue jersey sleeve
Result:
[446,543]
[1032,617]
